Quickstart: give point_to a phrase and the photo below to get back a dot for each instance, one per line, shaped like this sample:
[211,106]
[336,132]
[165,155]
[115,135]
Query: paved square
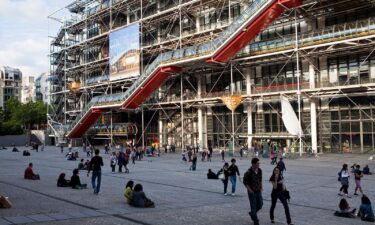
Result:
[181,196]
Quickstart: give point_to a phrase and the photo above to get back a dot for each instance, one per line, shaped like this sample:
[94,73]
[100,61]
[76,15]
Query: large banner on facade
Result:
[124,53]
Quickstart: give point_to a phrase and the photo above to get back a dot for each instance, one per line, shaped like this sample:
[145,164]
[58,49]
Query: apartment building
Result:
[10,84]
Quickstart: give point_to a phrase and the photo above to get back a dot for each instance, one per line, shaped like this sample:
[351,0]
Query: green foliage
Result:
[18,117]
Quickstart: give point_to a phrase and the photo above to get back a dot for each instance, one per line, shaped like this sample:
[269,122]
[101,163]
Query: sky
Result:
[24,31]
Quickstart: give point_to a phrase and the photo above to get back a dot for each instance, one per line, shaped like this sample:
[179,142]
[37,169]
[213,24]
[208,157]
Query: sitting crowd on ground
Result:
[29,173]
[365,210]
[74,182]
[136,197]
[83,166]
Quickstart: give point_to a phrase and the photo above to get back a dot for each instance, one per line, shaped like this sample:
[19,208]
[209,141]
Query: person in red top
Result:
[29,174]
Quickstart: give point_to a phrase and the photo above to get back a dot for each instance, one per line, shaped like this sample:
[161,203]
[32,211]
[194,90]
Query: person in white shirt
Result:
[344,179]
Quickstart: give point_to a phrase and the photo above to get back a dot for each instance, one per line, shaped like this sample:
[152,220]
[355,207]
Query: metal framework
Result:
[187,109]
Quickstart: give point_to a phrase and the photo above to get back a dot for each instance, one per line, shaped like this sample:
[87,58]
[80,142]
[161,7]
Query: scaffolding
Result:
[187,109]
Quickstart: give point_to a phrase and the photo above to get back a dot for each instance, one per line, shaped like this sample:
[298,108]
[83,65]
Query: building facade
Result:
[42,88]
[10,84]
[28,89]
[319,56]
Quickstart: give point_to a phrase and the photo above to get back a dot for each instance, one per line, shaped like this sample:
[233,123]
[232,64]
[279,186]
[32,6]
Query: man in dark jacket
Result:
[96,164]
[253,183]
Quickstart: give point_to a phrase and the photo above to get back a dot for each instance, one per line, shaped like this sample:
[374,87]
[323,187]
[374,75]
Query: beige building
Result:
[10,84]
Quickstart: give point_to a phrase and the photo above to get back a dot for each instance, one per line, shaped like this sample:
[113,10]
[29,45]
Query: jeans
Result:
[225,181]
[233,180]
[256,203]
[96,174]
[274,197]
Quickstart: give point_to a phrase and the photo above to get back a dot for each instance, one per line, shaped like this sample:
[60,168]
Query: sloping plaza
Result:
[181,196]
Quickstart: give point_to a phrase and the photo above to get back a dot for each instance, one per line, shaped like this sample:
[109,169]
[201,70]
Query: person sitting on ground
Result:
[29,174]
[69,155]
[4,202]
[128,193]
[365,210]
[345,210]
[81,166]
[75,182]
[211,175]
[26,153]
[86,165]
[366,170]
[353,167]
[62,182]
[15,149]
[139,198]
[3,147]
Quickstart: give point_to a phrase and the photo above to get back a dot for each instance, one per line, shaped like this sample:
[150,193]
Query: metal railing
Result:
[329,34]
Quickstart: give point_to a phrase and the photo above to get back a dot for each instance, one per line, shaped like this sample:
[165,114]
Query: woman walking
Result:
[344,179]
[225,176]
[277,182]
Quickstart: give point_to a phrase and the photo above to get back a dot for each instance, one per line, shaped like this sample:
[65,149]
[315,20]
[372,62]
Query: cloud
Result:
[24,33]
[28,55]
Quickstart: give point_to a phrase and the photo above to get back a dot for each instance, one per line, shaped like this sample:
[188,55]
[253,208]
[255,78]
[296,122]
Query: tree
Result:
[18,115]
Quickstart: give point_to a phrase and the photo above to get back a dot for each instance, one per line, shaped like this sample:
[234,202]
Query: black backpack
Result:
[246,177]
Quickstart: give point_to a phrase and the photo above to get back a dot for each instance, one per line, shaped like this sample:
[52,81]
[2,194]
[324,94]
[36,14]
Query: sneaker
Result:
[340,194]
[225,194]
[355,194]
[347,196]
[233,194]
[272,221]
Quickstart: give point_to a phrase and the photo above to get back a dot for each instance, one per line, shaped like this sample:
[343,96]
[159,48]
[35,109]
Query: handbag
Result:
[221,176]
[286,195]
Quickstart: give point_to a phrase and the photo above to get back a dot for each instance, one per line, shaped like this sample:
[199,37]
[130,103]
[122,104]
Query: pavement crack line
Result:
[75,203]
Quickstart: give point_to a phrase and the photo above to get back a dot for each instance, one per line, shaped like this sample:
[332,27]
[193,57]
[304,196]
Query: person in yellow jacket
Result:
[128,192]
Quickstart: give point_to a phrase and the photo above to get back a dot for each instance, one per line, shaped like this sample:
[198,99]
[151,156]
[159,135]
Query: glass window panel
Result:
[345,127]
[335,115]
[367,127]
[354,114]
[355,127]
[335,127]
[344,114]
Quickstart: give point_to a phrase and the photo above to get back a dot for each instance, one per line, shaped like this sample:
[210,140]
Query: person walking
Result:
[222,155]
[120,160]
[233,172]
[277,182]
[95,165]
[253,183]
[194,162]
[113,161]
[357,178]
[225,176]
[281,165]
[344,179]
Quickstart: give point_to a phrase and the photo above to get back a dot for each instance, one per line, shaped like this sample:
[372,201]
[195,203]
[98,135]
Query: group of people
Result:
[253,182]
[254,186]
[135,196]
[365,209]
